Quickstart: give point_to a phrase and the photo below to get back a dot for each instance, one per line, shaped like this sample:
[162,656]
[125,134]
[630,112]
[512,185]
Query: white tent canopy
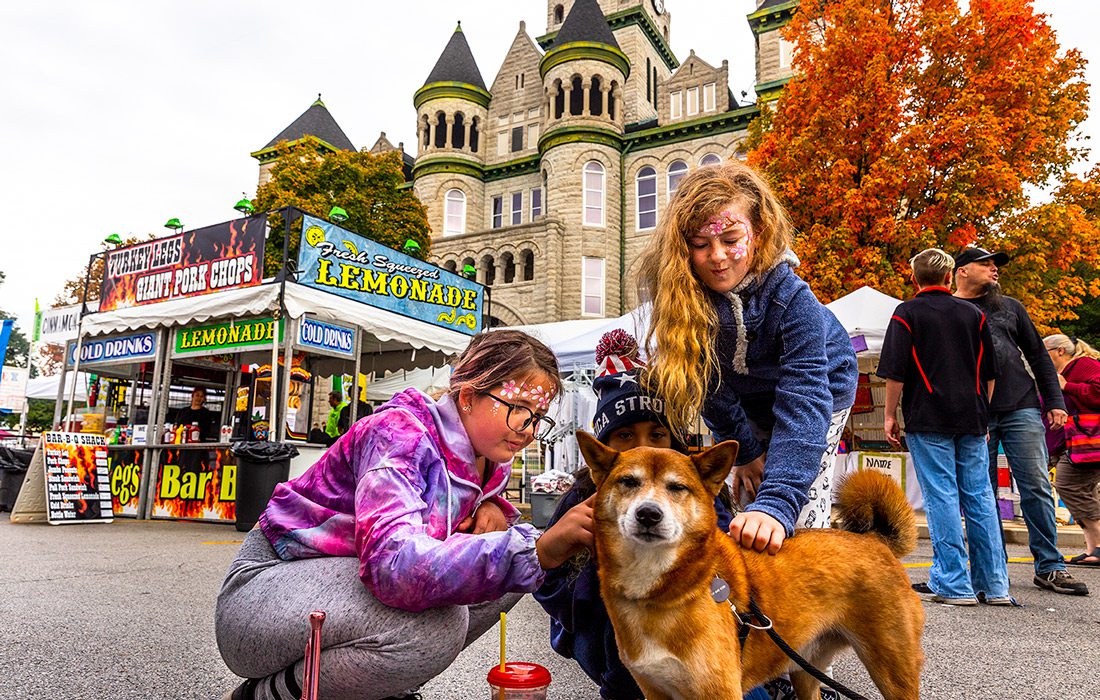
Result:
[46,387]
[865,312]
[428,380]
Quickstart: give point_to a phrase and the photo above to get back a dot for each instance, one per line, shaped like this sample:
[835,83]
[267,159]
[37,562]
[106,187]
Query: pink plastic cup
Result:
[519,681]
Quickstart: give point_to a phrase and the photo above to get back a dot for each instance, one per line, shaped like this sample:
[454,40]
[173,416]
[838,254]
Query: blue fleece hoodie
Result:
[785,366]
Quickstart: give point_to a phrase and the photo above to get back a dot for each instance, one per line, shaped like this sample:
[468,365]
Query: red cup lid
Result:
[519,674]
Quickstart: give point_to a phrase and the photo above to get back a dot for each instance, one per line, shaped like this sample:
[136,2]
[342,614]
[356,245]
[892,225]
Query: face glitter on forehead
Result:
[542,397]
[720,223]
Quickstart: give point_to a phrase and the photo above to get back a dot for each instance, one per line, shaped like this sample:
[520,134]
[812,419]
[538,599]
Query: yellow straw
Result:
[503,625]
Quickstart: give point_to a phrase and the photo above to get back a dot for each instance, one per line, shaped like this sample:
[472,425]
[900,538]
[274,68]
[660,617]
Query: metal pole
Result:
[153,428]
[59,402]
[79,340]
[272,401]
[355,379]
[288,352]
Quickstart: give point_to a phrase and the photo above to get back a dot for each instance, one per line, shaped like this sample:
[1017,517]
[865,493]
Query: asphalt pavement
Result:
[125,610]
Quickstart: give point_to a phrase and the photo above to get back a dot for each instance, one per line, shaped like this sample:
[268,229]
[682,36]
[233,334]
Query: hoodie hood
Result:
[746,287]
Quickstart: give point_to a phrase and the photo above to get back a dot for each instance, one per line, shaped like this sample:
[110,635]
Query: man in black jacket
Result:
[1015,419]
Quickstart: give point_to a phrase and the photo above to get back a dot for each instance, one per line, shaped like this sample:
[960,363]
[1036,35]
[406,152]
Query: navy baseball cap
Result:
[979,254]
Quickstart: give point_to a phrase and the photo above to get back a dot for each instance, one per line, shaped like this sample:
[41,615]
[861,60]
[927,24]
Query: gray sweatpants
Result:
[369,650]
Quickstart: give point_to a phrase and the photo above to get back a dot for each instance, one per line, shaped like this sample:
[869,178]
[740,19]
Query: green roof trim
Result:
[431,165]
[579,134]
[513,168]
[726,122]
[265,154]
[772,18]
[626,18]
[455,90]
[766,92]
[577,50]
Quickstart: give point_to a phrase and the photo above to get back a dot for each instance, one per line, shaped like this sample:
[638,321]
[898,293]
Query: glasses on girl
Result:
[520,418]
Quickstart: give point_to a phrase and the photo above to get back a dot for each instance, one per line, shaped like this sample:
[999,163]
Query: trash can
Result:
[260,467]
[543,506]
[13,470]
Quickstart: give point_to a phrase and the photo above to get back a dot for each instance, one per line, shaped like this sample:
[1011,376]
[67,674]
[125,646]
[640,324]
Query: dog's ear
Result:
[597,455]
[714,464]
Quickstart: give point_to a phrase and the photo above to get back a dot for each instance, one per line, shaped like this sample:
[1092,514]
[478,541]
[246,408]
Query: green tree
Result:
[915,123]
[39,416]
[370,188]
[18,345]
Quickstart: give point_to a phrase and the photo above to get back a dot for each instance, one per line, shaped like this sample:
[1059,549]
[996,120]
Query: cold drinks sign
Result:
[124,348]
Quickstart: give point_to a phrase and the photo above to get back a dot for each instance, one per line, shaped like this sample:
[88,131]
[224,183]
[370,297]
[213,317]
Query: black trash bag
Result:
[12,473]
[261,466]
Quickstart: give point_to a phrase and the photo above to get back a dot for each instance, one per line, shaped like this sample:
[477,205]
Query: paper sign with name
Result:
[890,463]
[123,348]
[326,338]
[78,485]
[229,336]
[349,265]
[210,259]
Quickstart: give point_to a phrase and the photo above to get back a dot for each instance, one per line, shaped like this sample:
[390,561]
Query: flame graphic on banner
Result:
[191,485]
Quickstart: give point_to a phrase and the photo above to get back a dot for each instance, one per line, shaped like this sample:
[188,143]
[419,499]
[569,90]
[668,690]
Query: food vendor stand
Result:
[190,311]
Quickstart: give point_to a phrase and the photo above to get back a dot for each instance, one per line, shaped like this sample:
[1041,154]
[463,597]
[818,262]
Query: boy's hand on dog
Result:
[759,531]
[571,534]
[747,478]
[487,518]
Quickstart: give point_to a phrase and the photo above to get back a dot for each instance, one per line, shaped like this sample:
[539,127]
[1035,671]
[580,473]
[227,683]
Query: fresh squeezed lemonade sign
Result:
[345,263]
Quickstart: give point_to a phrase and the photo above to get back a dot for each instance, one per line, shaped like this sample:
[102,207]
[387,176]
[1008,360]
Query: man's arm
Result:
[1046,378]
[890,424]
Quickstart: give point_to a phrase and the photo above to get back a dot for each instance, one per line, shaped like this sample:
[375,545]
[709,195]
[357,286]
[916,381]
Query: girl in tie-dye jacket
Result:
[399,532]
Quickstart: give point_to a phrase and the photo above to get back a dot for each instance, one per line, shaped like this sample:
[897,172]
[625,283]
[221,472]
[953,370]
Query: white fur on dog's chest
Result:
[659,667]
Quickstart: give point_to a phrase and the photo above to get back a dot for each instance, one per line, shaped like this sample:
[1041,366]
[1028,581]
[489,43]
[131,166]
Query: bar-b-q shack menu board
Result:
[78,486]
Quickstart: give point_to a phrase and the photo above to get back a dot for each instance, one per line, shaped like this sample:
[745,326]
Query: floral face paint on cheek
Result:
[542,397]
[727,223]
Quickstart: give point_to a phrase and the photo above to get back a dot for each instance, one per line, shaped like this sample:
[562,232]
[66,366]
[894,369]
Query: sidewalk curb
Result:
[1070,537]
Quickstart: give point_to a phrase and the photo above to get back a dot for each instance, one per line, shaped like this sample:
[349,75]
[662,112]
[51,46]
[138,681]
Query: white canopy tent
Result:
[865,312]
[46,387]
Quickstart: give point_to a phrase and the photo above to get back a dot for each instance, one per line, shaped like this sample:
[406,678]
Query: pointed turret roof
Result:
[585,22]
[456,63]
[315,121]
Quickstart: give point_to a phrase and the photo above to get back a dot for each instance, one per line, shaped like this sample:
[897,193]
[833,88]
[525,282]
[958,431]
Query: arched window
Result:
[427,130]
[576,96]
[455,218]
[450,266]
[528,258]
[458,131]
[440,130]
[509,263]
[559,14]
[711,159]
[646,186]
[593,193]
[559,100]
[474,134]
[676,172]
[595,98]
[490,270]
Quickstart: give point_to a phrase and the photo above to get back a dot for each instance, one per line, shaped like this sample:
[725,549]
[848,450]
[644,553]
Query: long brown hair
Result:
[494,357]
[683,323]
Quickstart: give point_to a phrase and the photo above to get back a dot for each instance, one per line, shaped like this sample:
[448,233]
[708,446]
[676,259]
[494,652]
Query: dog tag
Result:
[719,590]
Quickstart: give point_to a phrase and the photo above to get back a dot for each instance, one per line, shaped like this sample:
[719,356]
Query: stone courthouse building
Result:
[549,181]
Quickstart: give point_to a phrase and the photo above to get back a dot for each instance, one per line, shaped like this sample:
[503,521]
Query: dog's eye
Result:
[677,488]
[630,482]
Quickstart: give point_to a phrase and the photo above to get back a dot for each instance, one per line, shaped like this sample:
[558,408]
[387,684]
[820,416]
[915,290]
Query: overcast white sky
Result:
[116,116]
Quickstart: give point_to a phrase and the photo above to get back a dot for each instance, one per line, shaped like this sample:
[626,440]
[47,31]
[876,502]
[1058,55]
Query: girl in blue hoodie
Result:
[737,337]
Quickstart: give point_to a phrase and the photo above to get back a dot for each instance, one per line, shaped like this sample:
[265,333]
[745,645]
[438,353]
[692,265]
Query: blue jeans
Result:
[1024,438]
[950,469]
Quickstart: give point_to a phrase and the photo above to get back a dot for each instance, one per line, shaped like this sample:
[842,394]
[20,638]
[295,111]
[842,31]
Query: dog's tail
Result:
[871,502]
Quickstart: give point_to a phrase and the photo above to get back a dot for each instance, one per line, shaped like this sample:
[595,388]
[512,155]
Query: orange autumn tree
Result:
[911,123]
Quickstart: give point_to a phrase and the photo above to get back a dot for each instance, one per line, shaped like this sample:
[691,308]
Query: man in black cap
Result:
[1015,419]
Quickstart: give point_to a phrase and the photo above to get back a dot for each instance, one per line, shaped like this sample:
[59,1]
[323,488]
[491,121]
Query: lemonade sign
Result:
[349,265]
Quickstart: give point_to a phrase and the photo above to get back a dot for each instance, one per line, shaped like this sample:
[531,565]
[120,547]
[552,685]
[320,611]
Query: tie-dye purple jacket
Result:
[391,492]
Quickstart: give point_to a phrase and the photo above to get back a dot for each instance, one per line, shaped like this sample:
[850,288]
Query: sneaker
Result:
[999,600]
[927,594]
[1061,582]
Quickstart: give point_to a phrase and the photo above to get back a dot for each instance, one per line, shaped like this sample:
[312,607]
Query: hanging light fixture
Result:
[469,271]
[244,205]
[113,239]
[411,246]
[338,215]
[173,224]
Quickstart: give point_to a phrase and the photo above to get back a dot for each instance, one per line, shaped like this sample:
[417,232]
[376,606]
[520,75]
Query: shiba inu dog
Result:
[659,551]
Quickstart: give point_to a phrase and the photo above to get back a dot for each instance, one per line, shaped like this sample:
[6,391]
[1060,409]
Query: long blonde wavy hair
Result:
[683,323]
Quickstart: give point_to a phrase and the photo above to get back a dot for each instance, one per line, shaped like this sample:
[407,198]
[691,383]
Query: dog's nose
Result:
[648,515]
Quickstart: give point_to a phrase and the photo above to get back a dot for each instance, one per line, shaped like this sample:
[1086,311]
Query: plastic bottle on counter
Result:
[194,434]
[169,434]
[226,434]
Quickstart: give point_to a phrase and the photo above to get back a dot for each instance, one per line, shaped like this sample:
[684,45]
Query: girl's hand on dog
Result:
[759,531]
[571,534]
[747,478]
[487,518]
